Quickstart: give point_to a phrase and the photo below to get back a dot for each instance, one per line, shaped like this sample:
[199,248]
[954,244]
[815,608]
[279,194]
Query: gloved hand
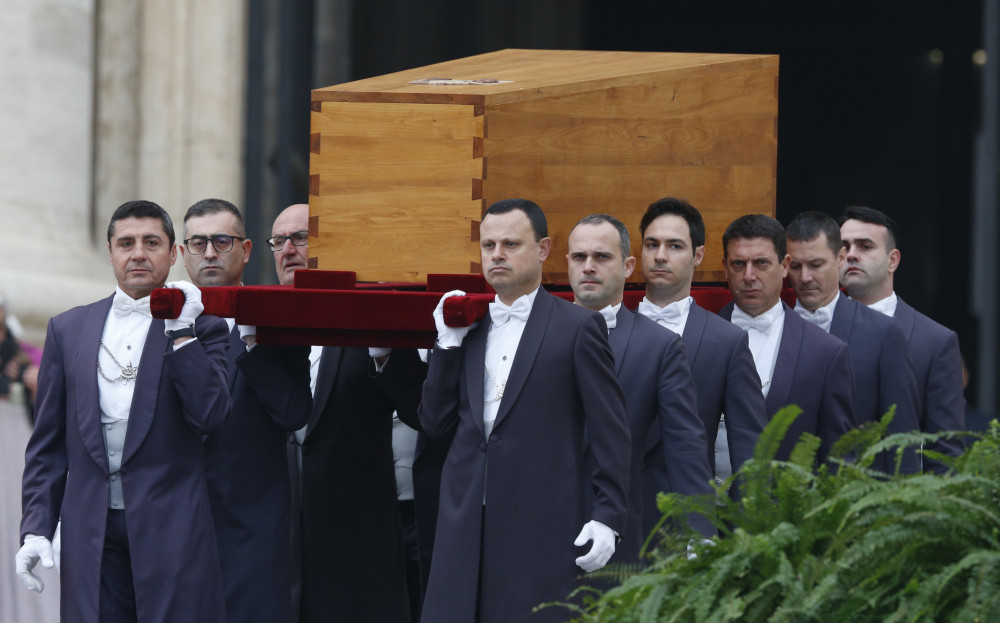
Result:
[35,548]
[602,549]
[380,356]
[57,545]
[248,333]
[192,306]
[449,337]
[690,552]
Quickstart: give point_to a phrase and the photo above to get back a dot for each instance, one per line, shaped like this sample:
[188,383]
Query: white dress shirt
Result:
[124,336]
[764,332]
[315,353]
[673,316]
[886,306]
[822,317]
[501,346]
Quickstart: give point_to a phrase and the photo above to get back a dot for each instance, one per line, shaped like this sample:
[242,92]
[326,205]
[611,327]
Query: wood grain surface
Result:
[401,172]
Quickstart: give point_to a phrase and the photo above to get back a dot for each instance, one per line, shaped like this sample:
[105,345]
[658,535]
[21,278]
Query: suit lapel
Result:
[326,376]
[619,336]
[693,331]
[527,349]
[236,347]
[144,398]
[843,319]
[906,317]
[475,369]
[726,313]
[89,415]
[788,356]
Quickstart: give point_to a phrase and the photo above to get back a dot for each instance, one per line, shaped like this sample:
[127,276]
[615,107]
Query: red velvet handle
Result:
[461,311]
[166,303]
[221,301]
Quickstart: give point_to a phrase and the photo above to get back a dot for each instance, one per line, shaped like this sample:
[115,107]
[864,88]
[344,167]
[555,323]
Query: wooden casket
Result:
[403,165]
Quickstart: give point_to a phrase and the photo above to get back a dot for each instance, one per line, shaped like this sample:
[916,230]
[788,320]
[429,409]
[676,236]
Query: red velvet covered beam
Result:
[329,308]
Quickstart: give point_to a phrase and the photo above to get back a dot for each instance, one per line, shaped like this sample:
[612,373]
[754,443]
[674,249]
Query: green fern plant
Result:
[839,543]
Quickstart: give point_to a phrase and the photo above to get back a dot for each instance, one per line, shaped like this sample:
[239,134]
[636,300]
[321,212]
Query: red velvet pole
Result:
[290,315]
[328,308]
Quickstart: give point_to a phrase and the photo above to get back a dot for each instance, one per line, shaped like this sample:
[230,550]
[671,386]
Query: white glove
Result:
[248,333]
[192,306]
[376,351]
[690,553]
[57,545]
[602,549]
[35,548]
[449,337]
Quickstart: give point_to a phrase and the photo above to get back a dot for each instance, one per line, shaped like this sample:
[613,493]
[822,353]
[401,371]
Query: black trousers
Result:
[117,601]
[412,548]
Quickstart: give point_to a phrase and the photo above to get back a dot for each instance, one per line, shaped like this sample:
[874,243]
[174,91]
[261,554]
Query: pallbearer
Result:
[872,257]
[123,403]
[520,390]
[248,481]
[652,370]
[798,363]
[673,245]
[880,359]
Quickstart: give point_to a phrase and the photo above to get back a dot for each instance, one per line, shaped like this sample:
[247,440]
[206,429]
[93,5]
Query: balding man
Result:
[353,568]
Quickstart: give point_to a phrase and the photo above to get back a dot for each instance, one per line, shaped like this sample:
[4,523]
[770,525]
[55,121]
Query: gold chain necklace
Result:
[128,372]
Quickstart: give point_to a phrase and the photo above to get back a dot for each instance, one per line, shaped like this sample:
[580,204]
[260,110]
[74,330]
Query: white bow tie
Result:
[671,314]
[745,321]
[123,305]
[501,313]
[821,317]
[610,317]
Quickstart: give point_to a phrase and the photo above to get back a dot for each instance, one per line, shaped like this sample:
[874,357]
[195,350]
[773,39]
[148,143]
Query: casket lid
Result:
[526,75]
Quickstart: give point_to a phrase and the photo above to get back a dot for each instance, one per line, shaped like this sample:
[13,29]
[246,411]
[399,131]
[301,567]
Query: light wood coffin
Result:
[400,173]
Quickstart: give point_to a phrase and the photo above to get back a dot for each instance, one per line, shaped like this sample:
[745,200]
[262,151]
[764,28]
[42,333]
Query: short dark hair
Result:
[214,206]
[530,209]
[875,217]
[681,208]
[625,243]
[142,209]
[755,226]
[809,225]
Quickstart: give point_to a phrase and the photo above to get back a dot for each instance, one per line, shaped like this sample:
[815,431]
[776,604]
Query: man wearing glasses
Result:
[351,560]
[246,466]
[290,242]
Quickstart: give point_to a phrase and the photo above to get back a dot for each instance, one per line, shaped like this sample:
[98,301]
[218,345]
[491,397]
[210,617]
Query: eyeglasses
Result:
[299,239]
[196,245]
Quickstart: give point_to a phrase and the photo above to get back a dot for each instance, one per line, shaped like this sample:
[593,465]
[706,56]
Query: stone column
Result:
[48,257]
[190,105]
[104,101]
